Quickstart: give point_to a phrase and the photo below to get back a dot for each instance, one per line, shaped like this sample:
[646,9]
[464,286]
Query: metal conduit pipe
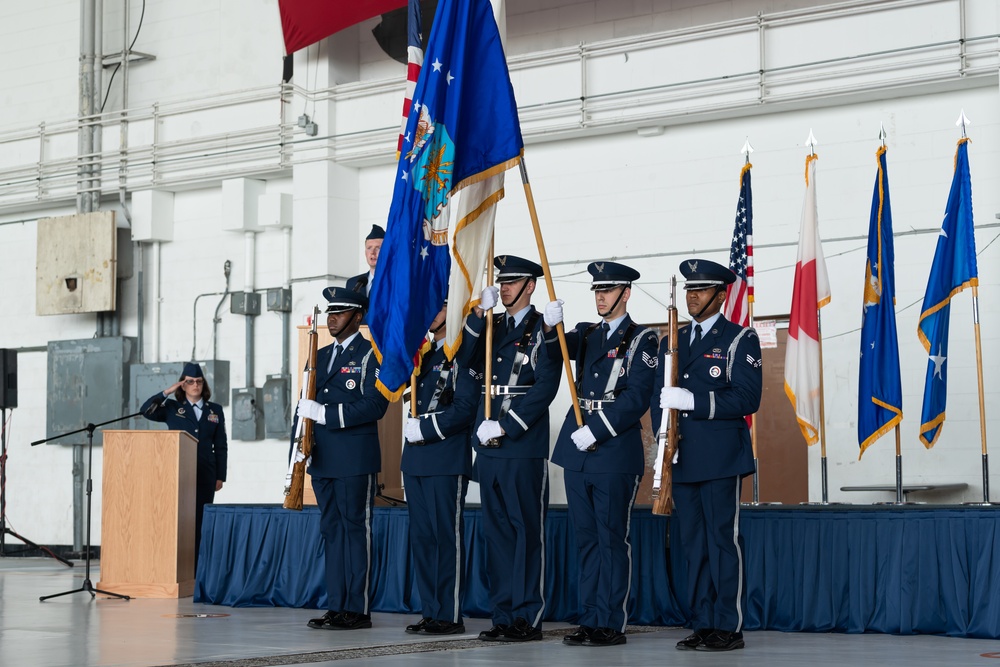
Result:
[248,287]
[155,325]
[85,134]
[286,317]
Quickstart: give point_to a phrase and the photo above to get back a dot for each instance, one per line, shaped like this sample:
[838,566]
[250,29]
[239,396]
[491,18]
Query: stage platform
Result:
[914,569]
[78,631]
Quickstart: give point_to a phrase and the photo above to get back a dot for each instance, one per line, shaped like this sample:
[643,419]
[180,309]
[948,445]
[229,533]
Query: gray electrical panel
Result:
[279,300]
[247,419]
[244,303]
[277,416]
[147,379]
[88,383]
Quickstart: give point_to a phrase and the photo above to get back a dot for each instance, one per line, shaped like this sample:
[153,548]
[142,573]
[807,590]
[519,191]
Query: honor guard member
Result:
[437,465]
[373,244]
[512,448]
[345,459]
[720,380]
[184,406]
[604,459]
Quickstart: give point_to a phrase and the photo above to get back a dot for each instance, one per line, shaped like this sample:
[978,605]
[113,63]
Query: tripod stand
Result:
[4,530]
[87,585]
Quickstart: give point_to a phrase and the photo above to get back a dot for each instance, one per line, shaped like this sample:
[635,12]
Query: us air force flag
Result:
[880,391]
[953,270]
[462,128]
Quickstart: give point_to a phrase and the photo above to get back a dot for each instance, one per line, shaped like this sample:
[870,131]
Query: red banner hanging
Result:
[305,22]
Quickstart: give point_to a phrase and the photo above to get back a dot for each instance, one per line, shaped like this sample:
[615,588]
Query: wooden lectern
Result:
[147,514]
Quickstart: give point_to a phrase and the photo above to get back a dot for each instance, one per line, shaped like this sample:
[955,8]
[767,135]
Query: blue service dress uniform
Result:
[723,371]
[213,448]
[436,476]
[513,478]
[360,284]
[614,378]
[346,458]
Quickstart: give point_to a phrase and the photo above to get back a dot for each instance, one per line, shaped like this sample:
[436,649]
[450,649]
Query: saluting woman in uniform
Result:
[184,406]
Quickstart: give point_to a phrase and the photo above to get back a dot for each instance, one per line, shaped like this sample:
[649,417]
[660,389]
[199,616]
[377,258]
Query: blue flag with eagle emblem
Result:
[880,390]
[953,270]
[462,128]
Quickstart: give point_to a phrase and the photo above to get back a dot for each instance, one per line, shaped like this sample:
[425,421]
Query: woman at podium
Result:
[184,406]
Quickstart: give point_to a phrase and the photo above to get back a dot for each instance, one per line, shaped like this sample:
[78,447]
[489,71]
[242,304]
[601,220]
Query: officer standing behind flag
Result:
[437,465]
[603,460]
[362,283]
[512,448]
[345,459]
[720,378]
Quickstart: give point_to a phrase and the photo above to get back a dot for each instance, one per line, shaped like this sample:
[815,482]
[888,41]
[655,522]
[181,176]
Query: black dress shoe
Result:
[416,628]
[352,620]
[604,637]
[722,640]
[495,633]
[443,628]
[327,621]
[577,637]
[694,640]
[521,631]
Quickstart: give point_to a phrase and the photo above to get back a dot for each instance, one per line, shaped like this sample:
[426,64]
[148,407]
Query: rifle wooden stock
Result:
[663,502]
[304,433]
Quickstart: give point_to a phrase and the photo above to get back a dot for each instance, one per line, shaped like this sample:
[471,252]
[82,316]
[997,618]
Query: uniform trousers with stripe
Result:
[600,508]
[345,505]
[515,497]
[708,518]
[437,542]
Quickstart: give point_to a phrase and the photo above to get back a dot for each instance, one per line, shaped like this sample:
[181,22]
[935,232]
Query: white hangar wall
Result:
[603,189]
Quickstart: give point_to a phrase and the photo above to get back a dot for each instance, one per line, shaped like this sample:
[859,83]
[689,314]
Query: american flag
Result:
[414,61]
[739,295]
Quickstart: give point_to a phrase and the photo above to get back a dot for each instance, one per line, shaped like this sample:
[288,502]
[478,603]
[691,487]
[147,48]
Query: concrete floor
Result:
[77,631]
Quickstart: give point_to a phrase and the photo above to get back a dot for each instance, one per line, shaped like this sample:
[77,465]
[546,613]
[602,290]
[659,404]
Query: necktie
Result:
[333,359]
[697,333]
[510,324]
[605,329]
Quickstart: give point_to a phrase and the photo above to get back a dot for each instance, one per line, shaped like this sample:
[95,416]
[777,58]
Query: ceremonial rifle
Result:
[667,436]
[295,479]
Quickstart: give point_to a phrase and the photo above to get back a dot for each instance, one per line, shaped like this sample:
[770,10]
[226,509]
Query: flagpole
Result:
[560,331]
[413,395]
[822,408]
[899,470]
[488,377]
[753,432]
[982,400]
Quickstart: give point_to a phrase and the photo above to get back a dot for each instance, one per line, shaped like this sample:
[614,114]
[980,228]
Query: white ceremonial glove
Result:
[676,398]
[488,430]
[312,410]
[412,430]
[553,312]
[489,297]
[583,438]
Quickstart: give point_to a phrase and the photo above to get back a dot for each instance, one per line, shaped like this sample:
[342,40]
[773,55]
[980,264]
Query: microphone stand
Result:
[87,585]
[4,530]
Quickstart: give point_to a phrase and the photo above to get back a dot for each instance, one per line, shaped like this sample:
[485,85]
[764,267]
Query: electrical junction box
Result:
[247,418]
[279,300]
[244,303]
[277,415]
